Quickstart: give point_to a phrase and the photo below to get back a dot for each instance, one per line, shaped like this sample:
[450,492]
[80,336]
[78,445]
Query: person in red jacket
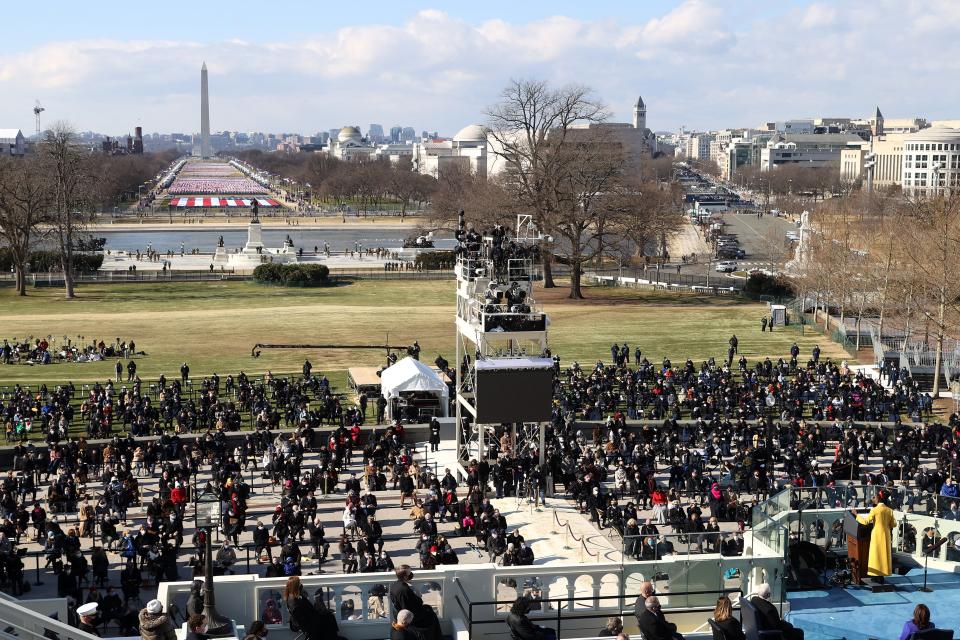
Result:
[178,495]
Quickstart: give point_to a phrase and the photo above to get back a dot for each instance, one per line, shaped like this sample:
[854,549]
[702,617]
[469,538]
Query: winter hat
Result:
[154,606]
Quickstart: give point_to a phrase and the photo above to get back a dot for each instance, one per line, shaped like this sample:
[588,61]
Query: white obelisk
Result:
[204,114]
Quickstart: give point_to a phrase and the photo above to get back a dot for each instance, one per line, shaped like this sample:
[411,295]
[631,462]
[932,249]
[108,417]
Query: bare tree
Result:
[487,201]
[69,182]
[935,251]
[584,197]
[408,186]
[24,197]
[531,121]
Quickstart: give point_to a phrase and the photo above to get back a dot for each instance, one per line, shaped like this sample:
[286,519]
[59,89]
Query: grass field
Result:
[213,326]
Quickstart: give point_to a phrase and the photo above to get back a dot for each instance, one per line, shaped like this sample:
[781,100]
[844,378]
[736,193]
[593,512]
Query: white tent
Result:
[410,374]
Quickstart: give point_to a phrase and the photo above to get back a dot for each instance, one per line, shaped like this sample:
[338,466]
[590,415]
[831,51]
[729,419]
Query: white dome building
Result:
[350,145]
[467,150]
[471,133]
[931,161]
[348,135]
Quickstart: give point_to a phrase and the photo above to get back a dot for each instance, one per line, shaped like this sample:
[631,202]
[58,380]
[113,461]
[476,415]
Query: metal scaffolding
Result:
[497,318]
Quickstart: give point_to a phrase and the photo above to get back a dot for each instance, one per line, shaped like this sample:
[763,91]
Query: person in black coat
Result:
[768,618]
[403,628]
[723,618]
[261,540]
[403,596]
[521,628]
[304,615]
[653,625]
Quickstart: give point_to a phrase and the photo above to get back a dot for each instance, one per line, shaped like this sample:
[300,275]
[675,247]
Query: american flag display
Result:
[223,202]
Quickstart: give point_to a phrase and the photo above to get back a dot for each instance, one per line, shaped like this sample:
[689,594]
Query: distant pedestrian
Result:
[770,323]
[763,324]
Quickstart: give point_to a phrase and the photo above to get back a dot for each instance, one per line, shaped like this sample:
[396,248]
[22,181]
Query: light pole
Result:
[208,517]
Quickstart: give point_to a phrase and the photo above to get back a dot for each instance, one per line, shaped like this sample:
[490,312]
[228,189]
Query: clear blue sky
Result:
[310,66]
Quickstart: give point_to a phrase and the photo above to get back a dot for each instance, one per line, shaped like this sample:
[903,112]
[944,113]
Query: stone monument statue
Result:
[256,211]
[802,251]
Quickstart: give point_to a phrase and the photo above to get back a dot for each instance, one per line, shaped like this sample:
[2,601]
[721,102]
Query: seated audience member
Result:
[768,618]
[921,622]
[723,616]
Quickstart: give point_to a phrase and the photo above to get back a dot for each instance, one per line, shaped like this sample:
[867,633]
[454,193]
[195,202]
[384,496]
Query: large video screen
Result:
[514,390]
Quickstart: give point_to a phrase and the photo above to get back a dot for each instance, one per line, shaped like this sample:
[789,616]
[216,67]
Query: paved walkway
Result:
[687,242]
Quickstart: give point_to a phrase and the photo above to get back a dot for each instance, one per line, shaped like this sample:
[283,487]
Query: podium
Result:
[858,546]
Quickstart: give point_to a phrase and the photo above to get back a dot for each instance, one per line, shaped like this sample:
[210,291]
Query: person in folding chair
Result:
[305,619]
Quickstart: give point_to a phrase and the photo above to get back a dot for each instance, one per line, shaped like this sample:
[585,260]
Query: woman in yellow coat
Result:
[881,517]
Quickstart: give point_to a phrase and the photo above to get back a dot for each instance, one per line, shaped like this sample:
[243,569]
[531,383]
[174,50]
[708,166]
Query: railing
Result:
[553,612]
[38,620]
[106,277]
[218,274]
[685,545]
[509,321]
[568,534]
[359,601]
[380,274]
[593,588]
[667,276]
[815,514]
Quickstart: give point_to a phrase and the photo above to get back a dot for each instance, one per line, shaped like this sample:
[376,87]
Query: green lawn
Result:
[213,326]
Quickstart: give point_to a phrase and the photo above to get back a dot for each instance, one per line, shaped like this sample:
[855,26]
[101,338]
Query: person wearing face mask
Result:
[404,597]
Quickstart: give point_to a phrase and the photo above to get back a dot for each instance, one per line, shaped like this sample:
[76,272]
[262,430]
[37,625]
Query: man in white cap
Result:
[88,617]
[155,624]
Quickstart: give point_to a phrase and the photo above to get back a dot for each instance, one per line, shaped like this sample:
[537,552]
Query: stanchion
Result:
[38,582]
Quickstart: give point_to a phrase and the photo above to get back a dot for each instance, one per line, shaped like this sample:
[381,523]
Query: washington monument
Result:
[204,114]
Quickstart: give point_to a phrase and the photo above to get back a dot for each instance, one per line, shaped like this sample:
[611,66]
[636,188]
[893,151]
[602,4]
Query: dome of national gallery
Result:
[349,134]
[471,133]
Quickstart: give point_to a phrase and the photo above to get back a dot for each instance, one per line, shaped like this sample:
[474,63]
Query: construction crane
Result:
[37,110]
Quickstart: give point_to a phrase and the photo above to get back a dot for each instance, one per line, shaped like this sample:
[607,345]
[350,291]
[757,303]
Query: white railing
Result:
[682,582]
[31,620]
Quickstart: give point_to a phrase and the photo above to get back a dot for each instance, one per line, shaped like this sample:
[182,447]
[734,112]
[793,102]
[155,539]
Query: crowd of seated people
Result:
[719,444]
[42,351]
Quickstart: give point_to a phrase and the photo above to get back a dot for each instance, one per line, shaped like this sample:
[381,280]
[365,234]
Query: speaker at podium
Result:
[858,546]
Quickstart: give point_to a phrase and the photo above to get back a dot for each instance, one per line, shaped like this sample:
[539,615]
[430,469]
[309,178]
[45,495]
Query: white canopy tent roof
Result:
[410,374]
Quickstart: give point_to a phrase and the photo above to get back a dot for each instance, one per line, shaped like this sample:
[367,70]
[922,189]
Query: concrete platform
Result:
[859,614]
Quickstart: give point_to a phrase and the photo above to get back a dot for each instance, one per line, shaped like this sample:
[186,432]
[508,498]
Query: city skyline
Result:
[702,64]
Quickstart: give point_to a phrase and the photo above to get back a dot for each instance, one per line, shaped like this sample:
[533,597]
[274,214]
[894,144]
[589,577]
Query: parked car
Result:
[727,266]
[731,252]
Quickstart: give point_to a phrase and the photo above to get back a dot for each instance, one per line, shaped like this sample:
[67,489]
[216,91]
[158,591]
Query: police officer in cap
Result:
[88,617]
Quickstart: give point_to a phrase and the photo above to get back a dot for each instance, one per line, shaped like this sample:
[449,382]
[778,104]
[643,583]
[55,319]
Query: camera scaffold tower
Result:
[497,318]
